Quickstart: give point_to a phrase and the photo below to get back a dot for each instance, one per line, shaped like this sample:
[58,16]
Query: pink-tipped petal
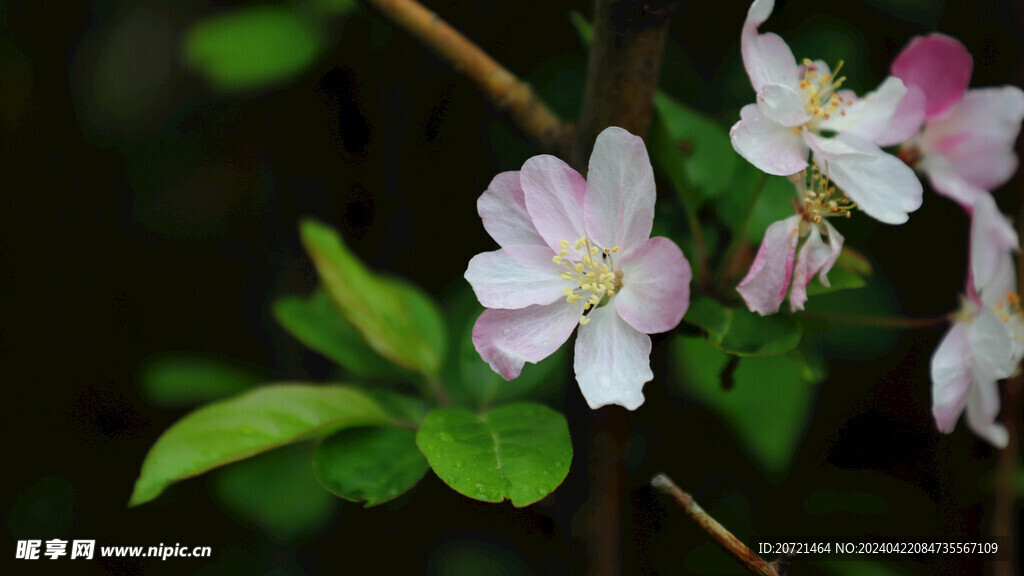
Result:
[951,378]
[993,238]
[515,277]
[869,117]
[816,257]
[881,185]
[502,207]
[613,361]
[655,289]
[982,409]
[768,145]
[766,57]
[764,287]
[940,66]
[619,204]
[506,339]
[976,138]
[554,199]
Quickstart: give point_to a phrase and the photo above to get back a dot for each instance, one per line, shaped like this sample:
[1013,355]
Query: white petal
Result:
[612,361]
[766,57]
[993,241]
[516,277]
[768,145]
[783,104]
[816,257]
[554,198]
[870,116]
[619,204]
[502,207]
[982,409]
[881,185]
[991,344]
[951,378]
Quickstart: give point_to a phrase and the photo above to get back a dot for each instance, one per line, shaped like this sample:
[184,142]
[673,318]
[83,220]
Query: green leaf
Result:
[252,48]
[276,492]
[246,425]
[333,7]
[371,465]
[399,407]
[316,323]
[176,380]
[396,318]
[517,451]
[583,27]
[773,201]
[741,332]
[849,271]
[686,140]
[767,406]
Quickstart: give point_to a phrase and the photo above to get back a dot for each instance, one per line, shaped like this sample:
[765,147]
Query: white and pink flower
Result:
[986,340]
[778,265]
[578,252]
[800,109]
[966,147]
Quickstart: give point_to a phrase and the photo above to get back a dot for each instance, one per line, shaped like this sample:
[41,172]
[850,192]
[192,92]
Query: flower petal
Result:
[906,120]
[869,117]
[991,343]
[613,361]
[940,66]
[554,198]
[783,104]
[977,136]
[816,257]
[655,289]
[993,240]
[951,378]
[880,184]
[768,145]
[619,203]
[945,181]
[764,287]
[515,277]
[506,339]
[502,207]
[982,409]
[766,57]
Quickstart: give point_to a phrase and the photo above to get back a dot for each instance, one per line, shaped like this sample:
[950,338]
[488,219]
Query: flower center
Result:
[818,197]
[818,89]
[1009,308]
[593,276]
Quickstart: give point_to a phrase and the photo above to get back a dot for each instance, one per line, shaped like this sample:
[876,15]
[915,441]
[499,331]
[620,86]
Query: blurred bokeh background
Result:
[149,211]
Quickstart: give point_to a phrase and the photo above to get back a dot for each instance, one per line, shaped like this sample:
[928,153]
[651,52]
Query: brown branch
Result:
[1004,512]
[718,533]
[622,73]
[506,93]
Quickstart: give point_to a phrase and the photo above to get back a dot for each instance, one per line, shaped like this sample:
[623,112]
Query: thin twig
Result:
[718,533]
[878,321]
[506,92]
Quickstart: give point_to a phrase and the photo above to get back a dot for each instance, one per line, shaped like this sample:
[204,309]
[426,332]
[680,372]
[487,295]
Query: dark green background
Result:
[145,213]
